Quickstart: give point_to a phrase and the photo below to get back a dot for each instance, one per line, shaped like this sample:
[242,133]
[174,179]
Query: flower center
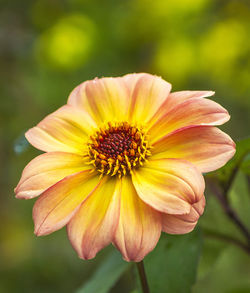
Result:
[118,148]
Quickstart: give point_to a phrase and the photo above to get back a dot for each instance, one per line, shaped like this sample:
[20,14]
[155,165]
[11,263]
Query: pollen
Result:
[117,148]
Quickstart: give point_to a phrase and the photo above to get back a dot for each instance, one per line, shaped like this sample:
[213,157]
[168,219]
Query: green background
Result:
[47,47]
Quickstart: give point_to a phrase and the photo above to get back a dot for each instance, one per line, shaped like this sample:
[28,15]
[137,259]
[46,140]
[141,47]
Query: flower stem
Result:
[221,196]
[226,238]
[143,277]
[233,174]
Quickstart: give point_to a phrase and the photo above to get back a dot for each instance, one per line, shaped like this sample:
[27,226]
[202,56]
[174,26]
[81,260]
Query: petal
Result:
[181,224]
[206,147]
[176,98]
[131,80]
[139,226]
[47,169]
[148,92]
[105,99]
[93,226]
[56,206]
[195,111]
[169,185]
[133,97]
[65,130]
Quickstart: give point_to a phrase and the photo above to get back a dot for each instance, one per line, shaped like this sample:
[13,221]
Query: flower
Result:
[123,161]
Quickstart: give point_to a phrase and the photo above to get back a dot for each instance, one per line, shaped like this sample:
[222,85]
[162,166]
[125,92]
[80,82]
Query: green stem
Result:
[233,174]
[221,196]
[226,238]
[143,277]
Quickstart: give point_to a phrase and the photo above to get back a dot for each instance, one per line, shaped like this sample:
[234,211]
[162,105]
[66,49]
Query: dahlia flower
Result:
[123,161]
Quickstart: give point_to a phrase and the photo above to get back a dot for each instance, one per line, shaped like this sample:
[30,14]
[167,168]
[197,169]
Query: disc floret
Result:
[117,148]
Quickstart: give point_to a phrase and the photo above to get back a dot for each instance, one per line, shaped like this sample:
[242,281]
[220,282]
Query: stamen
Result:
[118,148]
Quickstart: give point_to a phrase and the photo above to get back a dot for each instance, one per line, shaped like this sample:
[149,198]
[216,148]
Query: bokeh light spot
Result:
[175,60]
[222,47]
[67,45]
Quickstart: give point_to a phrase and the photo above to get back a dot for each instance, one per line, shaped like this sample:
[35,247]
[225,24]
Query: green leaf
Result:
[172,266]
[218,229]
[245,166]
[229,275]
[240,199]
[215,219]
[211,250]
[106,275]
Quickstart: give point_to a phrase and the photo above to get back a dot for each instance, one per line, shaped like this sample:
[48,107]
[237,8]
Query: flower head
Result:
[123,161]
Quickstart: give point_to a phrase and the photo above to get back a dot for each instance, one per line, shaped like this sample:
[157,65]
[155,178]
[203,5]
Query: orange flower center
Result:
[118,148]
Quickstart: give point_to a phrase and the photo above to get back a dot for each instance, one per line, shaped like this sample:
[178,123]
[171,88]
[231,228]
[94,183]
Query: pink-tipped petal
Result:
[147,93]
[175,99]
[194,111]
[47,169]
[206,147]
[93,226]
[182,224]
[56,206]
[169,185]
[139,225]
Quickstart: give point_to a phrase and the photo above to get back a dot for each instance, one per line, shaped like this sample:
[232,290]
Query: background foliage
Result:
[50,46]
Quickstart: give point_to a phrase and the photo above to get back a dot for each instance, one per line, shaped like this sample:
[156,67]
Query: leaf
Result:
[211,250]
[239,198]
[172,266]
[106,275]
[230,274]
[245,166]
[215,219]
[218,229]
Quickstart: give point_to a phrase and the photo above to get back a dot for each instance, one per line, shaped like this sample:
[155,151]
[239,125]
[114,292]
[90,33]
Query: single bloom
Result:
[123,161]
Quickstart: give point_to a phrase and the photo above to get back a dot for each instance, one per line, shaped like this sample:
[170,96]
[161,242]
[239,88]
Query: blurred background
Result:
[47,47]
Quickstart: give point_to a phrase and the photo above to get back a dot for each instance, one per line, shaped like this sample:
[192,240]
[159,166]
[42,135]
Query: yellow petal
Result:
[104,99]
[139,225]
[181,224]
[65,130]
[133,98]
[169,185]
[47,169]
[206,147]
[56,206]
[93,226]
[194,111]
